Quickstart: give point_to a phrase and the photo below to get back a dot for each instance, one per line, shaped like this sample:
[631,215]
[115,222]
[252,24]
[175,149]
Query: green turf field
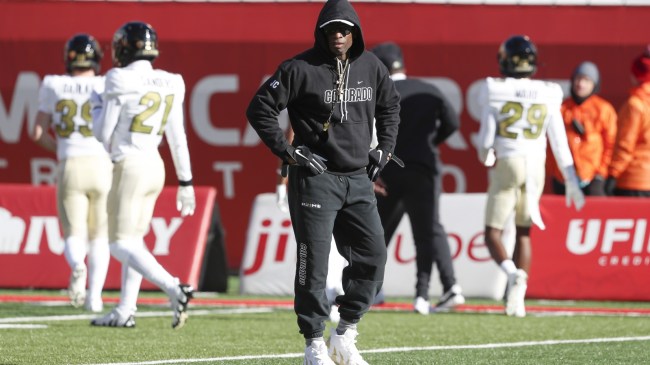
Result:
[60,334]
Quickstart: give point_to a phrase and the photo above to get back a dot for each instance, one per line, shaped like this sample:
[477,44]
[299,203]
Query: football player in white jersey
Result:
[139,105]
[517,115]
[84,169]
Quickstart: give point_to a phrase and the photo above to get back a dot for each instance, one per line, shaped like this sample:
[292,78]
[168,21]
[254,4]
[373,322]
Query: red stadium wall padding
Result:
[31,247]
[599,253]
[225,50]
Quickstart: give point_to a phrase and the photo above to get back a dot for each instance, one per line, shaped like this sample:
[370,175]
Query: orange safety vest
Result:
[631,159]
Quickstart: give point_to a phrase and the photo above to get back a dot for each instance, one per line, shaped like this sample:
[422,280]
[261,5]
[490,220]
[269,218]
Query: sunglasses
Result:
[338,28]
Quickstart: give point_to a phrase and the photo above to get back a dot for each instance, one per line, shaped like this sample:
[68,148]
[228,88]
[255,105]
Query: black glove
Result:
[610,184]
[378,159]
[596,187]
[303,157]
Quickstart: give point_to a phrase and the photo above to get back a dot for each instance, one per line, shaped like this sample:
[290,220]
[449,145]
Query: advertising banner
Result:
[599,253]
[270,253]
[31,243]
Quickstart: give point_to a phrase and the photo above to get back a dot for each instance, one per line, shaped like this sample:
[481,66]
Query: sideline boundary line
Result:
[397,349]
[536,310]
[143,314]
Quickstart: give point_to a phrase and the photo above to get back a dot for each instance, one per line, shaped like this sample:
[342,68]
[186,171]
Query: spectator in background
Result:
[590,123]
[426,121]
[139,105]
[629,171]
[334,92]
[517,115]
[84,171]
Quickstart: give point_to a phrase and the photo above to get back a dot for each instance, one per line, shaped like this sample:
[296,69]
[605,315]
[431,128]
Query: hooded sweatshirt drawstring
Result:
[343,73]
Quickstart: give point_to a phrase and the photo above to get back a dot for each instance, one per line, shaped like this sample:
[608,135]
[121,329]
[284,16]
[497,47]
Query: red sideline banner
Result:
[599,253]
[31,246]
[223,60]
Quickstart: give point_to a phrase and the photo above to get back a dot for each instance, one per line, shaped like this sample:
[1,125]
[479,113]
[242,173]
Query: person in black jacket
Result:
[333,92]
[427,120]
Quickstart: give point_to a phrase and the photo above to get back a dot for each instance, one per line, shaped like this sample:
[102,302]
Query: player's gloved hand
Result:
[490,158]
[185,200]
[573,193]
[610,184]
[302,156]
[281,198]
[378,159]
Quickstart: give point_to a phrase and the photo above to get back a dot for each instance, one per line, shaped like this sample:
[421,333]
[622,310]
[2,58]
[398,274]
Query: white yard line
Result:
[75,317]
[398,349]
[23,326]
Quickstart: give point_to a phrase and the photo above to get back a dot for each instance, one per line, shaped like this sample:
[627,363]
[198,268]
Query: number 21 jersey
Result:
[143,104]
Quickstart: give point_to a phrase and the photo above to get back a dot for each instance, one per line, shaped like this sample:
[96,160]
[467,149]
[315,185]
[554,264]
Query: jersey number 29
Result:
[535,116]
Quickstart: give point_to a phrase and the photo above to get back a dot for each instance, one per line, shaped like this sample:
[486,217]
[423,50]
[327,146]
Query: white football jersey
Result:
[66,99]
[139,105]
[517,115]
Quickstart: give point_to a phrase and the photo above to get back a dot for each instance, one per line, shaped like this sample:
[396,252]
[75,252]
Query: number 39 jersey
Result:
[66,99]
[517,115]
[141,104]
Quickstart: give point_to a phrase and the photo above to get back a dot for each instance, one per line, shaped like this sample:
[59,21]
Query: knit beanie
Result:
[641,67]
[589,70]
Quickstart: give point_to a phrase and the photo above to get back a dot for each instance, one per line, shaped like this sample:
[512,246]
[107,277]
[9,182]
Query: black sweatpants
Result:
[346,207]
[416,191]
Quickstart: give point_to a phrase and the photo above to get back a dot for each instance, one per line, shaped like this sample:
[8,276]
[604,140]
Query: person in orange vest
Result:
[590,123]
[629,171]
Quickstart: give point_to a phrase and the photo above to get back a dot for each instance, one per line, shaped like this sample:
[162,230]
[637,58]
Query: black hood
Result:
[339,10]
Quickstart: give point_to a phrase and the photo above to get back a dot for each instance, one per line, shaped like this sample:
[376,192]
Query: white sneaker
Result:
[517,285]
[451,298]
[335,316]
[77,288]
[179,305]
[316,354]
[421,306]
[343,349]
[115,318]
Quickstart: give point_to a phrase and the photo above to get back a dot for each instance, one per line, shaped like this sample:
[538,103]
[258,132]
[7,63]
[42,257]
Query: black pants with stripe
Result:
[346,207]
[416,191]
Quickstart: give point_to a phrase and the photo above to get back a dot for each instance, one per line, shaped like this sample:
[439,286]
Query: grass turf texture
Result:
[212,333]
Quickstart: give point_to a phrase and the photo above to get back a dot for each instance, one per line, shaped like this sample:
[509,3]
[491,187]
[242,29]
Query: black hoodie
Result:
[306,86]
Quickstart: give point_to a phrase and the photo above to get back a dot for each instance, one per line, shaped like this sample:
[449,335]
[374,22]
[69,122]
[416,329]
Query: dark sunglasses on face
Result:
[338,28]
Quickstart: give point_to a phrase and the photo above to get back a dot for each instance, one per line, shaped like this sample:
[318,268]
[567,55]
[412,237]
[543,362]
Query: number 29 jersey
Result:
[518,114]
[66,99]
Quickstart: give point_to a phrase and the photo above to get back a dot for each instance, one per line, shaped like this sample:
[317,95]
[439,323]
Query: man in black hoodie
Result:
[333,92]
[427,120]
